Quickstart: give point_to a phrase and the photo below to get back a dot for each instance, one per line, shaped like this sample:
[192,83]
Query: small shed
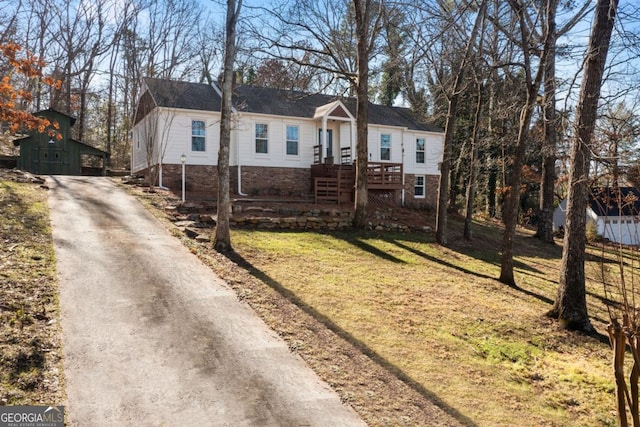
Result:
[615,211]
[41,154]
[560,215]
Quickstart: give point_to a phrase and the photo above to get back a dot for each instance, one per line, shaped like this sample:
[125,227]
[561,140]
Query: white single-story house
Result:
[615,212]
[283,143]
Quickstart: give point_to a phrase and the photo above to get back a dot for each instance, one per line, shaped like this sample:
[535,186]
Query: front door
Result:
[329,149]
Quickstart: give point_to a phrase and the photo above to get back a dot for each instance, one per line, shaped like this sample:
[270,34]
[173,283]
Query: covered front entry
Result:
[333,171]
[336,134]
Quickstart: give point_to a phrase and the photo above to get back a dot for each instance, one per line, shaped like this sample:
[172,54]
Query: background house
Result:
[614,211]
[277,137]
[42,154]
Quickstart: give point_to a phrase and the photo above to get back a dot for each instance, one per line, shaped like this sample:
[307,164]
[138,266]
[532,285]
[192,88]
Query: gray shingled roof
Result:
[190,96]
[280,102]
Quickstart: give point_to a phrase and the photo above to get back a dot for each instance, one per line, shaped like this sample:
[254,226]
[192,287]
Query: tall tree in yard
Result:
[222,240]
[545,225]
[570,307]
[473,165]
[549,146]
[362,13]
[443,190]
[339,38]
[533,82]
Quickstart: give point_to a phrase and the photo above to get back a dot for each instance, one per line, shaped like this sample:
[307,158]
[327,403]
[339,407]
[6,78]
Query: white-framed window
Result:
[385,147]
[198,135]
[419,150]
[293,139]
[418,187]
[262,138]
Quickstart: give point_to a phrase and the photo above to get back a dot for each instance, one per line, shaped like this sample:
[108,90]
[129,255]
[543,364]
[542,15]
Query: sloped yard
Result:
[433,318]
[393,322]
[437,317]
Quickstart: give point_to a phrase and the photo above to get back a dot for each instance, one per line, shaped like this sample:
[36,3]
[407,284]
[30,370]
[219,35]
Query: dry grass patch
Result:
[30,346]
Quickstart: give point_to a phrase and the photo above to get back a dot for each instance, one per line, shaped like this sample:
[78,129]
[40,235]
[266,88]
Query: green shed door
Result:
[51,161]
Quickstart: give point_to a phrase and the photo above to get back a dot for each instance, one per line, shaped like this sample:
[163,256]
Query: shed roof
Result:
[52,112]
[90,149]
[279,102]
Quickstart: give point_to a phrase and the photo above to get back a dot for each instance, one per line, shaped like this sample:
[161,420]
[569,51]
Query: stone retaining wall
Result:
[314,223]
[283,219]
[294,223]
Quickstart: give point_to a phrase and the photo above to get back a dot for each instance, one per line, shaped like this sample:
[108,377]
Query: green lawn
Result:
[440,318]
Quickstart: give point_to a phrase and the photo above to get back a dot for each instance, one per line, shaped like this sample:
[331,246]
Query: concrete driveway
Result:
[153,338]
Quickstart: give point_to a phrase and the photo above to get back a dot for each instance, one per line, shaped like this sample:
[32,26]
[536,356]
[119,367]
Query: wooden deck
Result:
[335,183]
[384,176]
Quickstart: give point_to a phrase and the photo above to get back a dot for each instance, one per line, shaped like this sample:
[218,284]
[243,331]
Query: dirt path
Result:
[152,337]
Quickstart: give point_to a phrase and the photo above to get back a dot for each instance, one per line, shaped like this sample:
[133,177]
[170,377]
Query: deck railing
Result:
[345,155]
[317,154]
[335,183]
[384,175]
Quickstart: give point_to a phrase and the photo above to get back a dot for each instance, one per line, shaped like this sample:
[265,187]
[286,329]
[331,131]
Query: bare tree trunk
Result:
[492,181]
[471,186]
[545,223]
[570,307]
[222,241]
[82,122]
[110,122]
[362,113]
[512,201]
[445,169]
[618,343]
